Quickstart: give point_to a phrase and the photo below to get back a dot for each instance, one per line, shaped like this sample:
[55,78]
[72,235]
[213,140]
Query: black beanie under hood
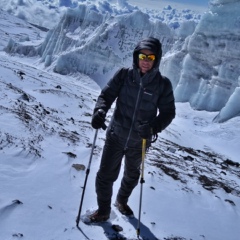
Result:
[152,44]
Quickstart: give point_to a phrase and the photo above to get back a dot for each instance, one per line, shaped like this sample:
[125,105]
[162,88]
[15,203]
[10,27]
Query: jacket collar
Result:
[146,78]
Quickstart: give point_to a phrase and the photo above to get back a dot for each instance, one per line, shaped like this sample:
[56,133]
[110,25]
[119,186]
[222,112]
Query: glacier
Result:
[200,57]
[97,45]
[209,61]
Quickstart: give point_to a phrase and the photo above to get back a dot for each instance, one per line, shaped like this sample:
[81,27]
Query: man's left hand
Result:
[145,131]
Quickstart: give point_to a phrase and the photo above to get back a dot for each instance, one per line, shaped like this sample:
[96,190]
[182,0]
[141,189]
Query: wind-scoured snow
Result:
[191,188]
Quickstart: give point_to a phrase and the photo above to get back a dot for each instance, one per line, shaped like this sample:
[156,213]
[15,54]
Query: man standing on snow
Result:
[144,106]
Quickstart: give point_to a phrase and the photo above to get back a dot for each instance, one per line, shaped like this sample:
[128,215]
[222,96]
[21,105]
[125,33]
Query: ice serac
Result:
[231,108]
[98,44]
[209,62]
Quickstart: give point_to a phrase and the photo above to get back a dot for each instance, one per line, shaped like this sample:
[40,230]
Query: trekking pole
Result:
[86,177]
[141,181]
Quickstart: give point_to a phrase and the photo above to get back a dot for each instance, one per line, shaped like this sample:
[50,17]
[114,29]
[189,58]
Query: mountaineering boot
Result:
[124,208]
[97,217]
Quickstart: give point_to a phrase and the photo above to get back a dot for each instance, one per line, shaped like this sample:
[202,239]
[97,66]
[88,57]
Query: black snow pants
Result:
[113,152]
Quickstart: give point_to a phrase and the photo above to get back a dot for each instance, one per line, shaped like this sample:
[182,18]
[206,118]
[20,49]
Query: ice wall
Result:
[97,43]
[89,42]
[208,63]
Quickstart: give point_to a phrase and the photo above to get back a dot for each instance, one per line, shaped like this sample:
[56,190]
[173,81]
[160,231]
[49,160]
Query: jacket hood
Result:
[152,44]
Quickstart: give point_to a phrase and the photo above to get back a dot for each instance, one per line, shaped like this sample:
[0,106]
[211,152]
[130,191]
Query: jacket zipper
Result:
[134,114]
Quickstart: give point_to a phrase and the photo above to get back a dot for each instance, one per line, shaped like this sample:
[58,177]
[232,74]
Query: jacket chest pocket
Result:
[147,95]
[149,100]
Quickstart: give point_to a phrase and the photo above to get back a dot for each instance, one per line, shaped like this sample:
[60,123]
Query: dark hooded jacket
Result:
[139,99]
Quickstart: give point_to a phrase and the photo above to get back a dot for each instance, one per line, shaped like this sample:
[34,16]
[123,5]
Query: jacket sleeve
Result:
[110,92]
[166,107]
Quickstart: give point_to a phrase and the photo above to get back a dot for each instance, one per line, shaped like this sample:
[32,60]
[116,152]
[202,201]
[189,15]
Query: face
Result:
[145,65]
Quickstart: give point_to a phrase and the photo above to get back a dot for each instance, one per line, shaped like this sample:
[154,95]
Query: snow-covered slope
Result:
[19,31]
[36,12]
[191,188]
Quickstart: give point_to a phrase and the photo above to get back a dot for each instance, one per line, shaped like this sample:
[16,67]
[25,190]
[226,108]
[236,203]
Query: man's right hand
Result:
[98,119]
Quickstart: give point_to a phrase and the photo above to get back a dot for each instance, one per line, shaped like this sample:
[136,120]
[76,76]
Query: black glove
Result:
[145,131]
[98,119]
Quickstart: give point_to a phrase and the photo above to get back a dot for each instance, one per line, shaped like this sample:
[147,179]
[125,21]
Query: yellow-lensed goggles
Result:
[150,57]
